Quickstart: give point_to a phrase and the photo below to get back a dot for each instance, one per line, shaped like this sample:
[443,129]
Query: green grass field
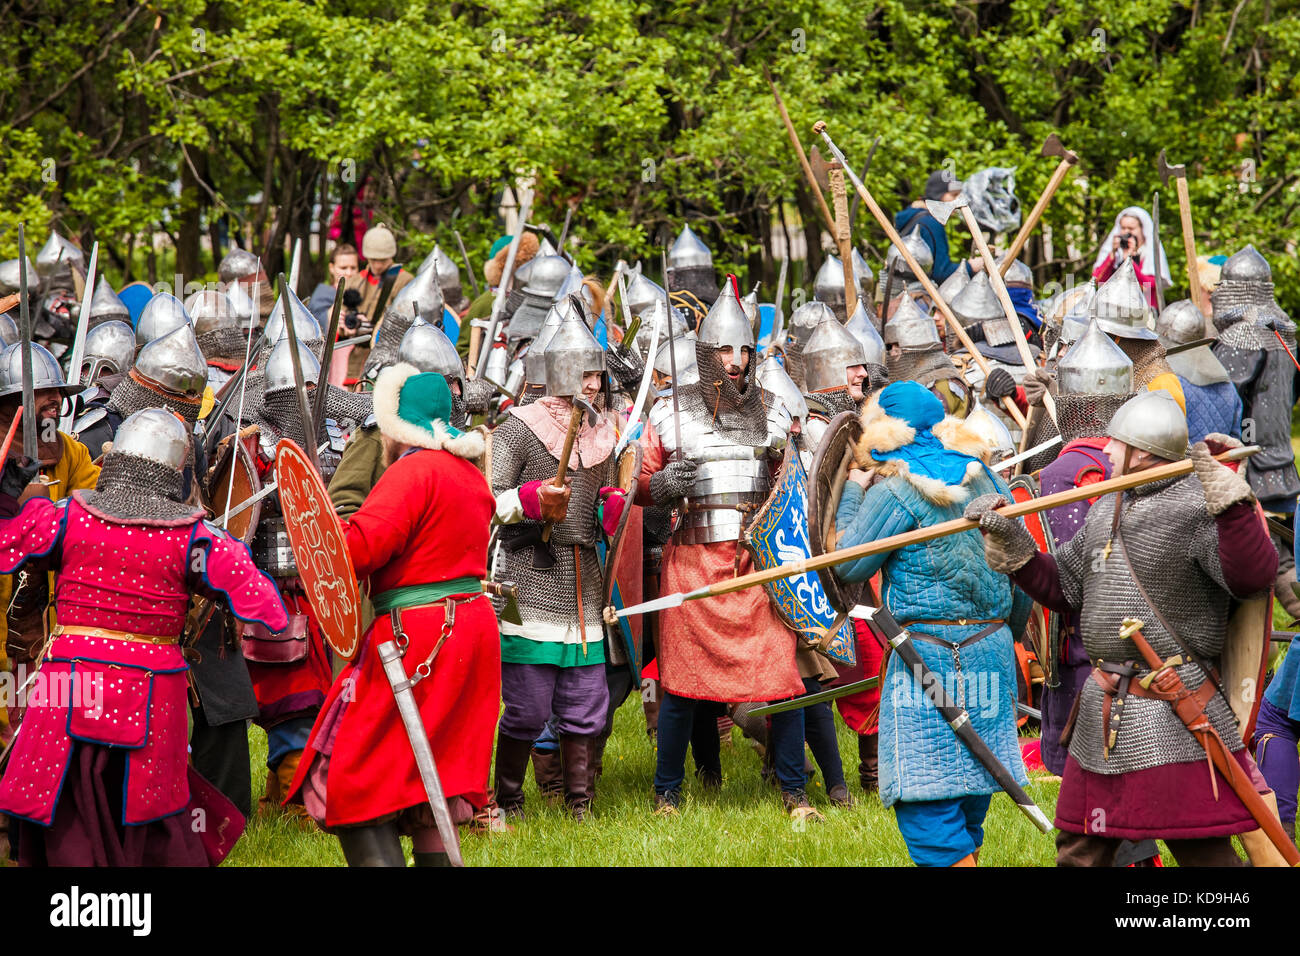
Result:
[743,825]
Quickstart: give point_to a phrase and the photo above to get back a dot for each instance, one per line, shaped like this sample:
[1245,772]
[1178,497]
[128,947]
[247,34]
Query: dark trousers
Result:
[1084,849]
[677,718]
[1279,761]
[819,731]
[220,755]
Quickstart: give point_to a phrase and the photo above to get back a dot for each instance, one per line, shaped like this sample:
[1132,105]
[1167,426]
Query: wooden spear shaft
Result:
[1058,176]
[803,160]
[941,530]
[842,241]
[921,275]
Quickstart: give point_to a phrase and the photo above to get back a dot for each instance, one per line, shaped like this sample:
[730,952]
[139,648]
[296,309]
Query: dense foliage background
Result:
[131,122]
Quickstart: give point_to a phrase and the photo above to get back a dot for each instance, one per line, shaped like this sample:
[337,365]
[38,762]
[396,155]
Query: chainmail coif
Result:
[140,491]
[740,415]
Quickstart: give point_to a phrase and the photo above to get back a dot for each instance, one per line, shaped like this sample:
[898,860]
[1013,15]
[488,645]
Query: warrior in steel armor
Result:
[718,473]
[897,279]
[109,355]
[828,284]
[914,353]
[221,340]
[1173,554]
[553,662]
[691,278]
[981,315]
[105,306]
[1123,312]
[99,777]
[1213,404]
[1257,345]
[419,298]
[448,274]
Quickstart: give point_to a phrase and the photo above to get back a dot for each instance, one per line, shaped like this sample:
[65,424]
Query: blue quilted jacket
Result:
[945,579]
[1211,408]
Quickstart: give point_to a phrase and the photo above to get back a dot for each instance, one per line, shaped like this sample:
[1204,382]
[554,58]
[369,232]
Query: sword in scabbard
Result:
[921,535]
[821,697]
[390,655]
[1192,713]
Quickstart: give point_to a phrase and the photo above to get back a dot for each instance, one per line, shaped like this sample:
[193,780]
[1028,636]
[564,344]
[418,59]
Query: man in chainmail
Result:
[553,662]
[216,327]
[721,434]
[1172,553]
[1257,345]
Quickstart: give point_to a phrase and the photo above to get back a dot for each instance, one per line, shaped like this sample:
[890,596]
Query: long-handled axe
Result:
[543,556]
[1179,172]
[1052,146]
[921,275]
[941,211]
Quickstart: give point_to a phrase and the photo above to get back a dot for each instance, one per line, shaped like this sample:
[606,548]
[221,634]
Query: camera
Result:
[351,299]
[1127,241]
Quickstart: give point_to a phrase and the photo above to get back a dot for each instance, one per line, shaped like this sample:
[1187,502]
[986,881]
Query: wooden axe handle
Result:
[1004,297]
[1189,244]
[1058,176]
[836,173]
[803,160]
[575,423]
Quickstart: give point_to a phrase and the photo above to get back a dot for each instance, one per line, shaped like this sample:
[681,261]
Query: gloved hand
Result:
[999,385]
[625,367]
[612,503]
[1223,487]
[1037,382]
[542,501]
[675,480]
[1008,545]
[478,393]
[14,479]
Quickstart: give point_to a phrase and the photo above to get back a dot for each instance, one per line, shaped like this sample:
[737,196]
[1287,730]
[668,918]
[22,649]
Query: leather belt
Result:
[115,635]
[1120,680]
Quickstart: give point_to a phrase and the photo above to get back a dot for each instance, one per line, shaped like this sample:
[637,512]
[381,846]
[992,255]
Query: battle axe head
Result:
[943,210]
[1166,170]
[582,403]
[1052,146]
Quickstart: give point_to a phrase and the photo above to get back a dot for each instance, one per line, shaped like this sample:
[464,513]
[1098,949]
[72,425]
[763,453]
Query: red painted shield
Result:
[320,549]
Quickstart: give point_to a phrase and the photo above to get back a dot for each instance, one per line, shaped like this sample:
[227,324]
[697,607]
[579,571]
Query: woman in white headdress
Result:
[1133,237]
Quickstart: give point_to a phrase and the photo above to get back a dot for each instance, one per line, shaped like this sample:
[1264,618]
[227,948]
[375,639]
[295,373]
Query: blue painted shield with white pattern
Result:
[778,535]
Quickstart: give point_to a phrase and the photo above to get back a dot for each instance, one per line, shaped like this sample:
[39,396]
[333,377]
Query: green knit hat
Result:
[414,407]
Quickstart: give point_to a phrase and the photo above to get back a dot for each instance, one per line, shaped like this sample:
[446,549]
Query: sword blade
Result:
[469,269]
[808,700]
[391,657]
[1027,454]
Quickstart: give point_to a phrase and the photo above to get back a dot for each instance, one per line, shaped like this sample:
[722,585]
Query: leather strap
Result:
[992,628]
[115,635]
[577,570]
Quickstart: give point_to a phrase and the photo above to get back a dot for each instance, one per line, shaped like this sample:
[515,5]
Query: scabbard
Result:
[821,697]
[390,655]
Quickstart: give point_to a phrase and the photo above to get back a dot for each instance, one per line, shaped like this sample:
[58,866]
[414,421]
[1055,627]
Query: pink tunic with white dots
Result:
[98,690]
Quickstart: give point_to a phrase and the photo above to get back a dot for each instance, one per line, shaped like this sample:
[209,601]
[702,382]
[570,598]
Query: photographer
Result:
[344,264]
[1133,237]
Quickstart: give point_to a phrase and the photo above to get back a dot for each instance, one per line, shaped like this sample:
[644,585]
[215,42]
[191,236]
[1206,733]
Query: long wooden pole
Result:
[803,159]
[1058,176]
[1189,242]
[922,277]
[842,240]
[941,530]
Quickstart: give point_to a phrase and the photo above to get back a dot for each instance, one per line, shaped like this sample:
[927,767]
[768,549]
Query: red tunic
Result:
[729,648]
[426,520]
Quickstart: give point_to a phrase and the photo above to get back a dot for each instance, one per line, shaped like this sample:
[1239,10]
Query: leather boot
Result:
[548,773]
[578,784]
[376,845]
[284,774]
[598,755]
[869,762]
[432,859]
[512,764]
[268,804]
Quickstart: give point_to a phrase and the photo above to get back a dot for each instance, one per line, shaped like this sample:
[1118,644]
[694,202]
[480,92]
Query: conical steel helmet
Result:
[806,318]
[863,329]
[305,325]
[422,296]
[155,435]
[443,266]
[279,367]
[977,303]
[162,314]
[10,280]
[642,293]
[572,285]
[1154,422]
[1180,324]
[1246,265]
[990,428]
[58,254]
[174,362]
[1120,305]
[570,354]
[427,348]
[862,274]
[772,377]
[238,264]
[211,311]
[726,325]
[110,348]
[105,305]
[680,349]
[535,357]
[828,285]
[951,287]
[911,328]
[1019,273]
[916,245]
[547,276]
[829,352]
[1095,366]
[688,251]
[9,333]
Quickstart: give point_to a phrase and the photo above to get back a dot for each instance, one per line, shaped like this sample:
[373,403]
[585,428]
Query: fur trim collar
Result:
[388,390]
[883,432]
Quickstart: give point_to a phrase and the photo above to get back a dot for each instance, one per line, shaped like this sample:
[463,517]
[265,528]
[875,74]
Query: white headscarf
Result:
[1147,257]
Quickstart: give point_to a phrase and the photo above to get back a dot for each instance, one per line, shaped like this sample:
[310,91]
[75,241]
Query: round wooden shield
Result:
[235,466]
[830,469]
[629,470]
[319,548]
